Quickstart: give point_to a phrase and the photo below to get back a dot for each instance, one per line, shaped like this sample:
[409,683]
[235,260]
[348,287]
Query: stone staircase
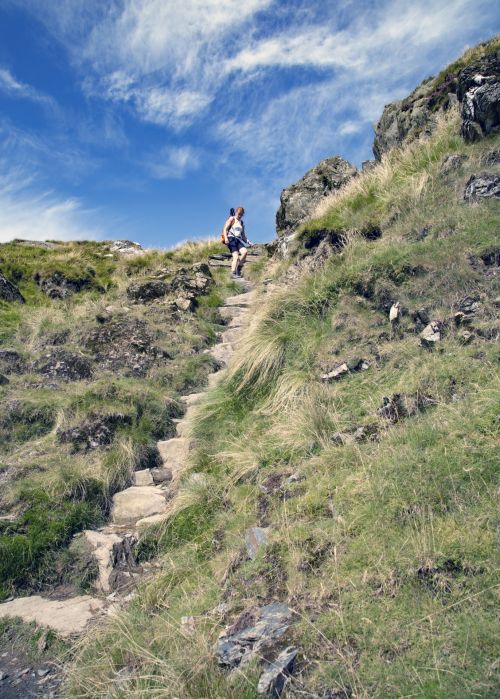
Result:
[146,502]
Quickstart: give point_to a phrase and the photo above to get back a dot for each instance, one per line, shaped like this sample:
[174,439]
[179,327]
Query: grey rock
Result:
[4,380]
[452,163]
[400,405]
[466,337]
[255,539]
[9,291]
[96,431]
[469,305]
[430,335]
[161,475]
[3,676]
[148,291]
[11,362]
[125,344]
[125,247]
[335,374]
[299,200]
[368,165]
[252,632]
[185,303]
[272,680]
[67,366]
[59,286]
[483,186]
[479,94]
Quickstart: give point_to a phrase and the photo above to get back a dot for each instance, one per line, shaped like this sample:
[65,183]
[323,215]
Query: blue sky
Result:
[148,119]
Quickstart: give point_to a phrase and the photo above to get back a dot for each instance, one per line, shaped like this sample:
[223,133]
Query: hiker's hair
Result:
[240,210]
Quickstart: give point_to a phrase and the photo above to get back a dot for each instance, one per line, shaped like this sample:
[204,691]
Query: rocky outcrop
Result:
[67,366]
[11,362]
[148,291]
[300,199]
[252,632]
[124,344]
[125,247]
[476,87]
[483,186]
[59,286]
[97,431]
[479,94]
[9,291]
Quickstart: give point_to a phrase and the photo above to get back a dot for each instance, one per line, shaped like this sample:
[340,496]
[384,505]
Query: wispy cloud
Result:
[173,162]
[15,88]
[24,213]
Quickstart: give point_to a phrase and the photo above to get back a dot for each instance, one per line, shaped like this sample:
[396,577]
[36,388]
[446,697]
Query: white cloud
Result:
[14,88]
[25,213]
[173,163]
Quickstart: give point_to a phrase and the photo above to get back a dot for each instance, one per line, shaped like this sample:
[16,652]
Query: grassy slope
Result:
[50,492]
[385,549]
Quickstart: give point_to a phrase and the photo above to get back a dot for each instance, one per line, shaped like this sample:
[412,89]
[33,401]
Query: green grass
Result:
[386,549]
[50,492]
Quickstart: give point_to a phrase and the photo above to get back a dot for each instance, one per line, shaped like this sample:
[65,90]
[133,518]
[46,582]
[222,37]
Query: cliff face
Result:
[473,81]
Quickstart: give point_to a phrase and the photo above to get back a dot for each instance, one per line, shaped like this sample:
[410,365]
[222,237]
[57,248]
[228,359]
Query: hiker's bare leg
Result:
[234,263]
[243,255]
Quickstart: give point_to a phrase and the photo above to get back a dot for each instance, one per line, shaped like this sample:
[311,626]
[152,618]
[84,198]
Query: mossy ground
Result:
[49,492]
[386,549]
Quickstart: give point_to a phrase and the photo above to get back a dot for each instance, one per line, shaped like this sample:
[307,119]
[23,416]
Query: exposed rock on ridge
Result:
[299,199]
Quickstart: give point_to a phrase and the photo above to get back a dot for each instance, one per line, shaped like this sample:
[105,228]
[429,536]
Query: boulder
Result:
[483,186]
[253,631]
[452,163]
[125,343]
[143,292]
[125,247]
[272,680]
[195,281]
[401,405]
[11,362]
[9,291]
[136,502]
[299,200]
[67,366]
[96,431]
[430,335]
[59,286]
[479,94]
[255,538]
[161,475]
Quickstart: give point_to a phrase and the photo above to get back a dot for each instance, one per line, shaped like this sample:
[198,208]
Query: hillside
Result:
[333,530]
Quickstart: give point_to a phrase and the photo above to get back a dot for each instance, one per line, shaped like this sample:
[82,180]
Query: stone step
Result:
[112,551]
[146,522]
[143,477]
[137,502]
[231,335]
[66,617]
[241,300]
[232,312]
[174,453]
[192,398]
[183,427]
[222,352]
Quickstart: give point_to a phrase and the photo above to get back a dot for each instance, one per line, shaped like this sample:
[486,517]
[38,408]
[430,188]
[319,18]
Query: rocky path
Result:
[146,502]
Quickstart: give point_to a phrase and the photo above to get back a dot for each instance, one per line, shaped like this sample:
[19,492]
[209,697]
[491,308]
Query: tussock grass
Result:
[385,548]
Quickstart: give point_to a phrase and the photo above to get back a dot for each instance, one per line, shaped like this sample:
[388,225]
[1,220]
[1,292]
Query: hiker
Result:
[237,241]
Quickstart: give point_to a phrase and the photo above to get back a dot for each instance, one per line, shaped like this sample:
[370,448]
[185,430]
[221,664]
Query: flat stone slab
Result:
[240,300]
[146,522]
[143,477]
[192,398]
[232,312]
[137,502]
[67,617]
[222,352]
[183,427]
[174,453]
[231,335]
